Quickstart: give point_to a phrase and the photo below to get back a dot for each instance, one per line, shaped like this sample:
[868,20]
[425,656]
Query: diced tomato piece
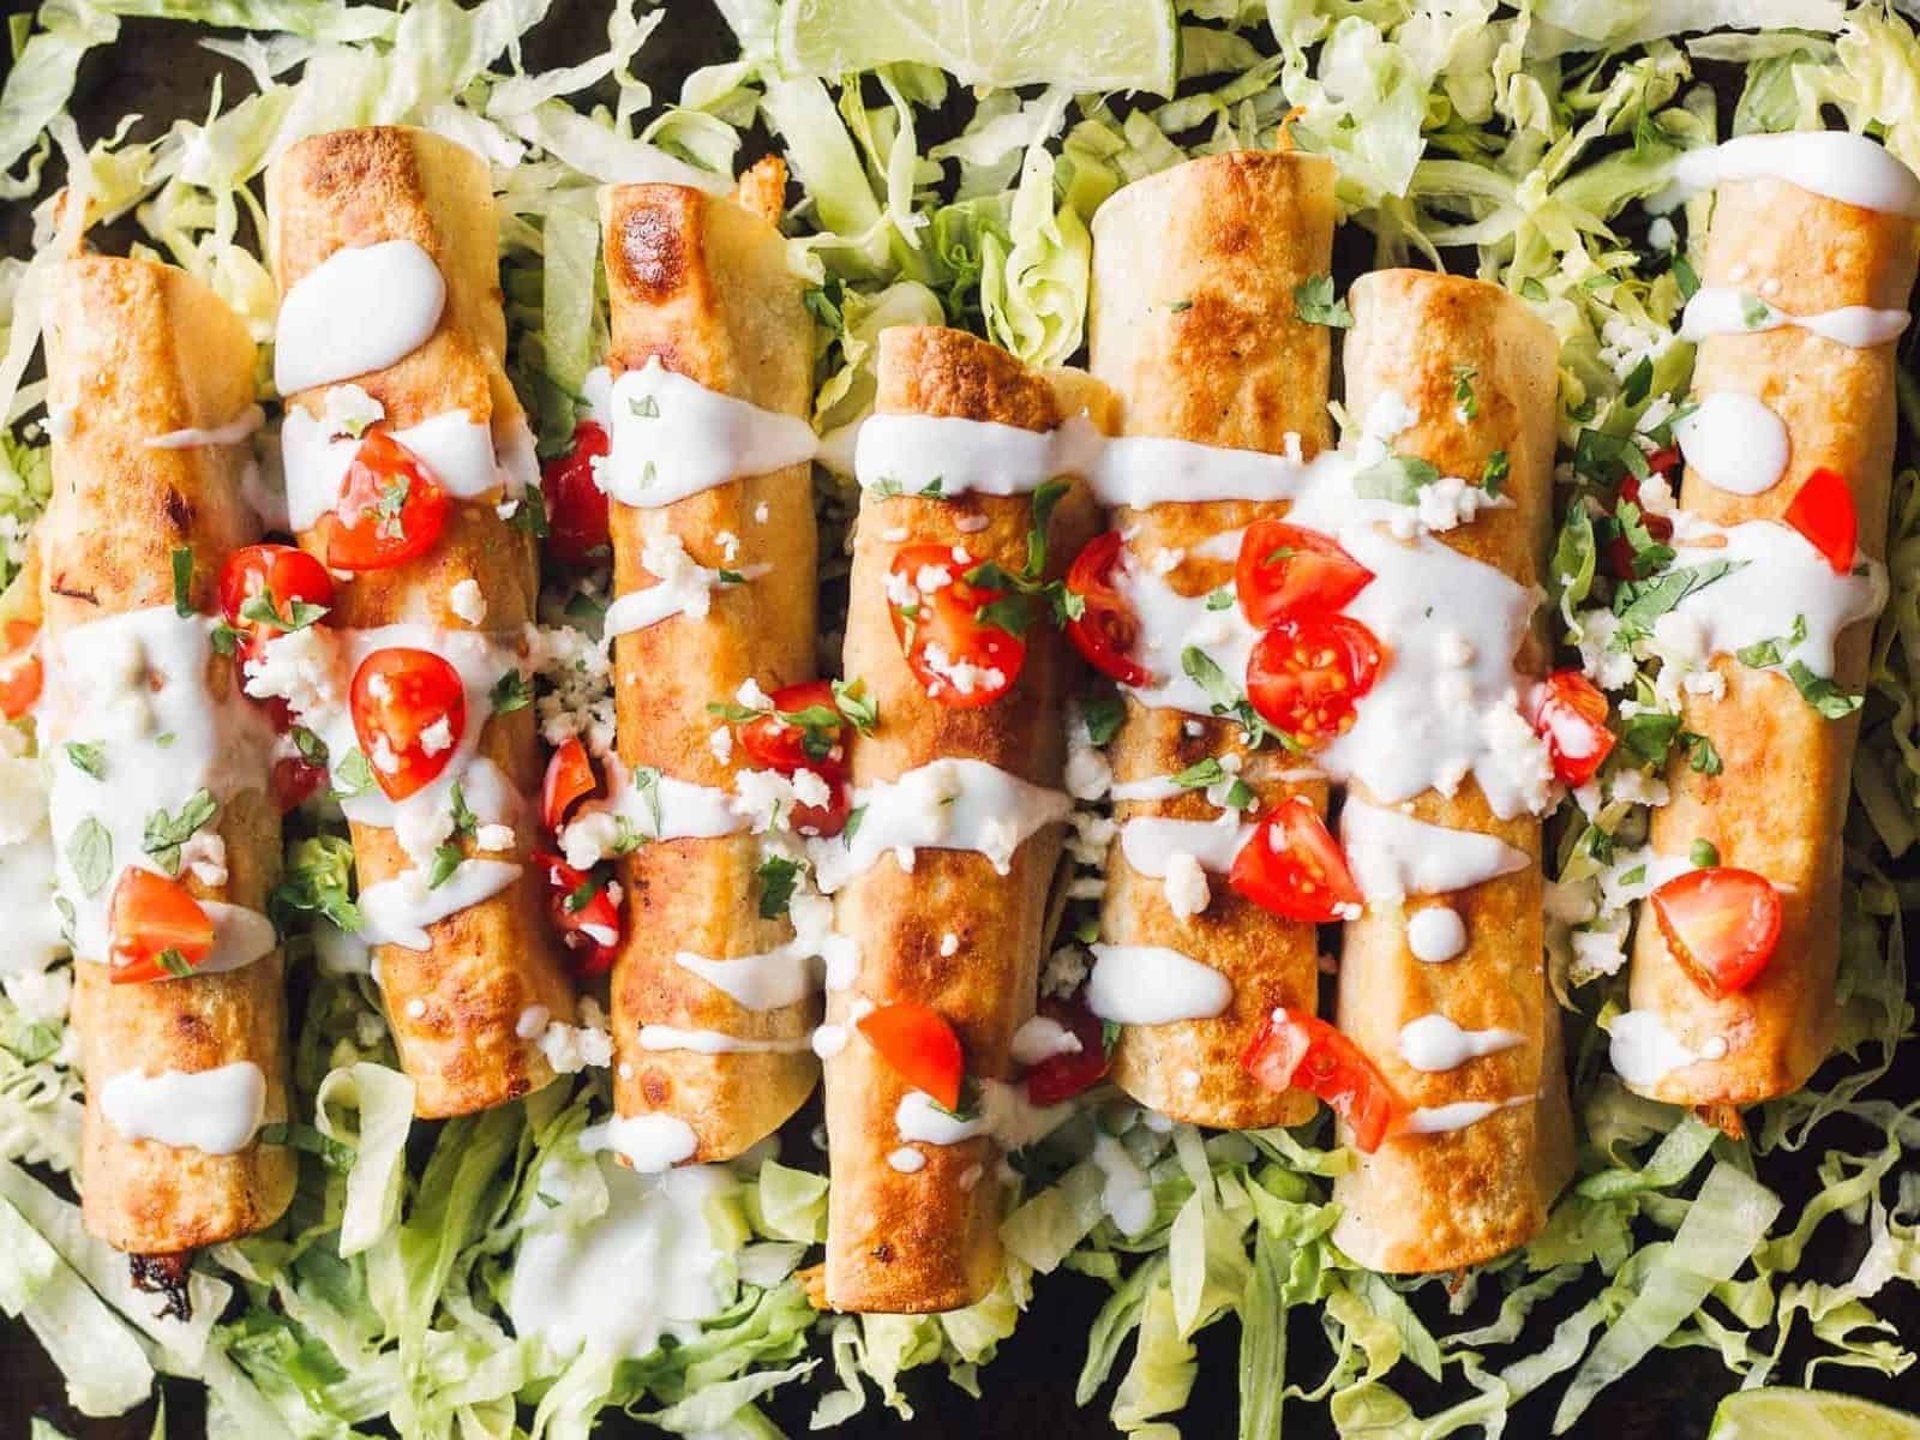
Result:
[920,1046]
[295,781]
[584,913]
[1285,572]
[1570,714]
[391,508]
[1107,628]
[956,651]
[20,673]
[818,744]
[1061,1077]
[1664,461]
[409,711]
[1721,924]
[158,929]
[1300,1052]
[570,778]
[1306,676]
[827,819]
[279,575]
[577,529]
[1620,557]
[1824,512]
[1294,867]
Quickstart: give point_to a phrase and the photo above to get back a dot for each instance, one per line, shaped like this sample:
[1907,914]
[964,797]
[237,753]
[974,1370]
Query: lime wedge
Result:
[1808,1415]
[1081,44]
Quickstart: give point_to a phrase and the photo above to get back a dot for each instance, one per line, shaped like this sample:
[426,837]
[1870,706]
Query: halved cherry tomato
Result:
[1570,714]
[1721,924]
[920,1046]
[1107,628]
[828,819]
[569,779]
[150,917]
[295,781]
[1306,676]
[20,674]
[774,744]
[1300,1052]
[583,912]
[409,711]
[1620,558]
[1285,572]
[1824,512]
[280,573]
[577,531]
[962,659]
[1294,867]
[391,508]
[1060,1077]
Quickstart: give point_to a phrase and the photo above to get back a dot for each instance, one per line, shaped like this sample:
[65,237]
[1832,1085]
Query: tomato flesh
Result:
[1301,1052]
[409,711]
[773,743]
[920,1047]
[577,525]
[390,510]
[1285,572]
[1107,628]
[1061,1077]
[278,574]
[1306,676]
[569,779]
[1620,557]
[1294,867]
[1824,512]
[21,675]
[1570,714]
[584,914]
[1721,923]
[960,659]
[149,916]
[295,781]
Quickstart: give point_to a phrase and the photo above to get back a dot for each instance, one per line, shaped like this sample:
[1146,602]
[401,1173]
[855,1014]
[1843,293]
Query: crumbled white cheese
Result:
[349,410]
[383,758]
[1064,971]
[686,586]
[494,839]
[437,738]
[587,841]
[1186,885]
[466,601]
[302,667]
[751,696]
[204,856]
[729,544]
[949,944]
[761,513]
[720,743]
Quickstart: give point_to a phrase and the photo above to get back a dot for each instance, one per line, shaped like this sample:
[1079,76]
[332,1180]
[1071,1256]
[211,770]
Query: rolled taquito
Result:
[1442,984]
[160,765]
[1195,325]
[942,887]
[714,577]
[1802,296]
[384,247]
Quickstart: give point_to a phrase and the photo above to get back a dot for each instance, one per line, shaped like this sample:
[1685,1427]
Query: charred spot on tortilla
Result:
[165,1276]
[652,253]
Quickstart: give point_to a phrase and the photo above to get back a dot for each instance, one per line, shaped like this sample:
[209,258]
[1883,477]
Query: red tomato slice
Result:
[149,916]
[584,913]
[20,674]
[774,744]
[1721,924]
[1061,1077]
[1570,714]
[1294,867]
[1285,572]
[1306,676]
[577,531]
[278,573]
[390,508]
[920,1046]
[1824,512]
[569,780]
[295,781]
[1300,1052]
[962,660]
[409,711]
[829,819]
[1106,630]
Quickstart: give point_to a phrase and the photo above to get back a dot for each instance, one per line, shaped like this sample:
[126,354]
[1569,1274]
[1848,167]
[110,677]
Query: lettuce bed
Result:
[1517,145]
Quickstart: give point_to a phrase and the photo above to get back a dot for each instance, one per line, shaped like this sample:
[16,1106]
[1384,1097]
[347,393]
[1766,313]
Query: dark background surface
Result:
[158,71]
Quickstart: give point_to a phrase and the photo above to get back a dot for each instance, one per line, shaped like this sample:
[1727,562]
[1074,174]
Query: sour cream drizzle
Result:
[1644,1051]
[672,437]
[216,1111]
[465,456]
[937,456]
[1734,442]
[1393,855]
[232,433]
[1849,168]
[1153,985]
[1150,842]
[1434,1044]
[359,310]
[1728,310]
